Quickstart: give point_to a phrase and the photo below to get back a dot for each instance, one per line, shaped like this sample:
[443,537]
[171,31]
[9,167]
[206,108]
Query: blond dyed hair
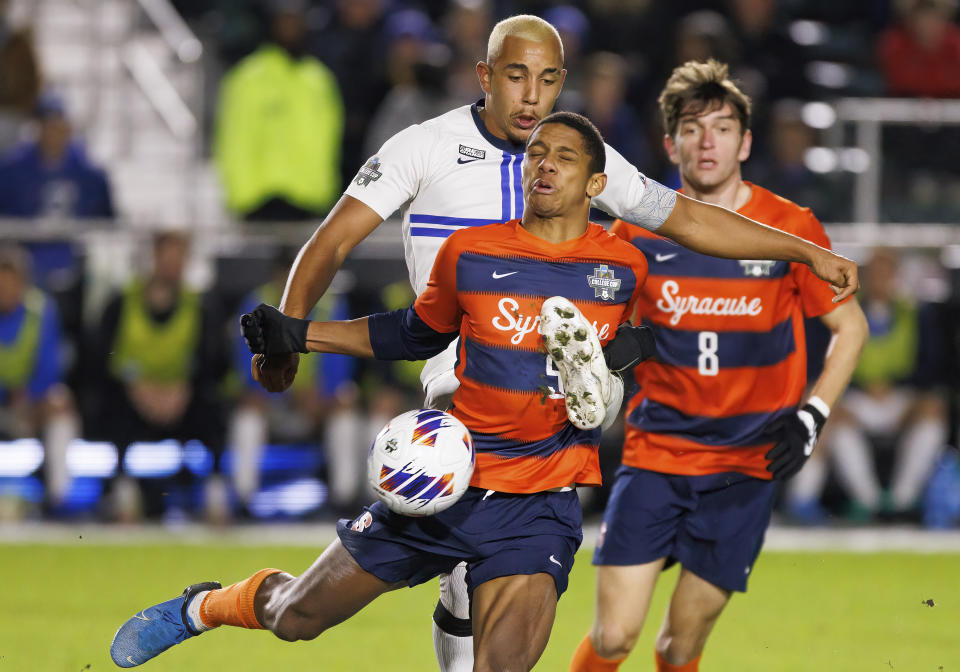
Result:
[524,26]
[695,87]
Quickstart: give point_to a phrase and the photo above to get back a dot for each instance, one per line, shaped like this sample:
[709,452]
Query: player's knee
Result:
[285,617]
[614,640]
[292,625]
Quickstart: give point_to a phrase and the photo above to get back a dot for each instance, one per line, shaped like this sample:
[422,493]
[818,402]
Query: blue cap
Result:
[568,19]
[410,23]
[49,104]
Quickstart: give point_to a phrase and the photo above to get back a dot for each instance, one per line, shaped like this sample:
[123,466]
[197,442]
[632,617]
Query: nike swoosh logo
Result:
[666,257]
[462,160]
[497,276]
[555,561]
[142,615]
[131,660]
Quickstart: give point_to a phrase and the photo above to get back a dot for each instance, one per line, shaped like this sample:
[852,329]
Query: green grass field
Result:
[60,605]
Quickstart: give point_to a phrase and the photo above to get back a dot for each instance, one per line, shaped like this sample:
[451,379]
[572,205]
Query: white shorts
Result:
[438,378]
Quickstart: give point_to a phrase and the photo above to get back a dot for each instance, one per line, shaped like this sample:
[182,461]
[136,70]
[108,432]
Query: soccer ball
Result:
[421,462]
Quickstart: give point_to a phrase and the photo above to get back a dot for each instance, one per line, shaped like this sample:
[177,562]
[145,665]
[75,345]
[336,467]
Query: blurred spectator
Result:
[921,55]
[351,46]
[33,400]
[279,127]
[19,79]
[604,92]
[418,70]
[574,29]
[703,35]
[889,404]
[467,25]
[158,356]
[770,63]
[321,407]
[408,33]
[52,176]
[784,169]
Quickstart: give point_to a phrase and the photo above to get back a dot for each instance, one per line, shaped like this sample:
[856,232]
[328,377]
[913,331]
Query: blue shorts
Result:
[712,525]
[496,534]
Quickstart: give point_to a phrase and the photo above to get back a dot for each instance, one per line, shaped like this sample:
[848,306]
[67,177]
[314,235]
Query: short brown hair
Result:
[695,87]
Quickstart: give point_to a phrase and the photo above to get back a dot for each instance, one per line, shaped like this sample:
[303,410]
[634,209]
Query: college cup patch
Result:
[369,173]
[604,283]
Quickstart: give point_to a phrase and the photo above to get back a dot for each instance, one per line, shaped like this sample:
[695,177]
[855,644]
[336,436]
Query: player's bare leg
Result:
[623,599]
[693,610]
[332,590]
[512,619]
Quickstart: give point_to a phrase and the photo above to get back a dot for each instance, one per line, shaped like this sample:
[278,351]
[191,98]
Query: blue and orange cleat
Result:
[155,629]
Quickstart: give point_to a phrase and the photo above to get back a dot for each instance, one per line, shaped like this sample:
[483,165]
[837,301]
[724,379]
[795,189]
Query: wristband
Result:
[820,405]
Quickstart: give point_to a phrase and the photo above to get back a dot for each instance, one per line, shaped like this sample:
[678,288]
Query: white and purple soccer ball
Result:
[421,462]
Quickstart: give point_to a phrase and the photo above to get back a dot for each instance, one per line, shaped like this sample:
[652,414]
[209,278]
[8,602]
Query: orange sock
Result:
[233,605]
[664,666]
[586,659]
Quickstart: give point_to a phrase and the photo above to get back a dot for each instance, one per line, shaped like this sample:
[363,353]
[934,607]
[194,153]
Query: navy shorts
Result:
[713,525]
[496,534]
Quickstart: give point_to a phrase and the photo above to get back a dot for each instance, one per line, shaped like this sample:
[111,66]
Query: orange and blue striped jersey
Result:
[731,348]
[488,284]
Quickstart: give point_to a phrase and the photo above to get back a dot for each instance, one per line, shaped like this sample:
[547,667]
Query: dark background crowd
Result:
[141,404]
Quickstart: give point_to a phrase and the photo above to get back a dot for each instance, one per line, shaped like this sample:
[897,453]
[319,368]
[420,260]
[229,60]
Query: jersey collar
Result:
[499,143]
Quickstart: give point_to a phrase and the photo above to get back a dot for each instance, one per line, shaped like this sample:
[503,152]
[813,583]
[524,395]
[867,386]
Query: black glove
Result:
[628,347]
[796,434]
[267,331]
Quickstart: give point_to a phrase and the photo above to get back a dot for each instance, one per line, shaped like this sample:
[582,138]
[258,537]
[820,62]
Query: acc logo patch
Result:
[369,173]
[363,522]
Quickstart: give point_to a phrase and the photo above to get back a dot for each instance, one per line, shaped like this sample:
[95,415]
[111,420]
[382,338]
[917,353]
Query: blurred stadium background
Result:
[167,158]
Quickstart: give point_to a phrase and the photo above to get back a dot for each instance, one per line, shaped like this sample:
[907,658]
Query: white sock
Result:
[454,654]
[248,434]
[917,455]
[193,612]
[59,431]
[853,456]
[346,459]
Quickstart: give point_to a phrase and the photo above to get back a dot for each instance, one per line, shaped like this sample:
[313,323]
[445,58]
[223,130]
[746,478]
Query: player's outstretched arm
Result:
[349,222]
[273,336]
[400,334]
[344,228]
[710,229]
[796,435]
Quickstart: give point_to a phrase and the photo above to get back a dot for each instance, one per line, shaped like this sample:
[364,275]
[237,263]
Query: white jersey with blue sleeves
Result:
[451,172]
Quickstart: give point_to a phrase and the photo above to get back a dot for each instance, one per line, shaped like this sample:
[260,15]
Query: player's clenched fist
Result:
[840,272]
[267,331]
[796,435]
[275,340]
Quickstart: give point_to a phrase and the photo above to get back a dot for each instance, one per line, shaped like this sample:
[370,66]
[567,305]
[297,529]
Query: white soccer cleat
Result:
[575,349]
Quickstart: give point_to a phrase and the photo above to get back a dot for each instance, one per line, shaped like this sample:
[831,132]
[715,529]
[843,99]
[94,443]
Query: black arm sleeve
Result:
[401,334]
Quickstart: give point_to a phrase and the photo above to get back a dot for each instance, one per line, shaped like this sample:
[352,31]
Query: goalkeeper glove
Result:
[796,434]
[267,331]
[628,347]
